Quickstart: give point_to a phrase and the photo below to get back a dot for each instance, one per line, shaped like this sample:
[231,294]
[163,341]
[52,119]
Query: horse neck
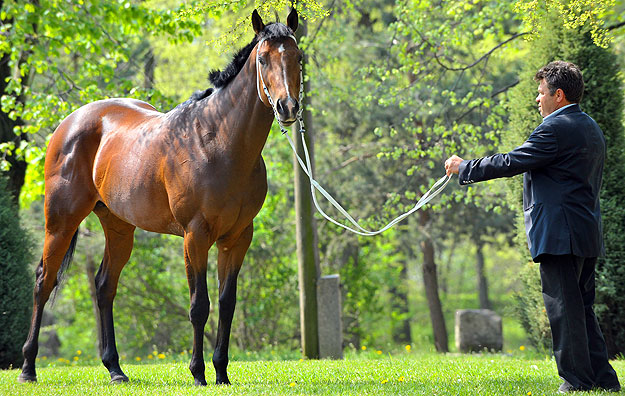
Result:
[246,120]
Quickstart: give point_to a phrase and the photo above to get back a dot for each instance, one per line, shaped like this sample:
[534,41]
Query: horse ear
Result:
[257,22]
[292,20]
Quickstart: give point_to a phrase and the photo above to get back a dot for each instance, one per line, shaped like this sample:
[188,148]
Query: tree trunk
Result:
[351,317]
[148,69]
[306,235]
[17,171]
[401,327]
[482,282]
[430,282]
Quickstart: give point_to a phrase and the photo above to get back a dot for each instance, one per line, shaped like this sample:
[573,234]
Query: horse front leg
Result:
[196,245]
[230,259]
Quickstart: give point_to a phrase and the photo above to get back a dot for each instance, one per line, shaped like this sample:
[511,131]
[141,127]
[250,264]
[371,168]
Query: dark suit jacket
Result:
[563,162]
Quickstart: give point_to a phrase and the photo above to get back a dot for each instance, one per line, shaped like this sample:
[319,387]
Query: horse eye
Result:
[262,60]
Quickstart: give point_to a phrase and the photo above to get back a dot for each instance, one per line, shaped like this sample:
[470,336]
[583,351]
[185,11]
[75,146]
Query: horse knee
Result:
[227,304]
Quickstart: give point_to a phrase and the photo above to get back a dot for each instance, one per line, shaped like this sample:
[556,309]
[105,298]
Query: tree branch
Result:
[485,56]
[616,26]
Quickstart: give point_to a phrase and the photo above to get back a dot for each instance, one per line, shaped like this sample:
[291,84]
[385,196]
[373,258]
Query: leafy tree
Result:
[15,281]
[403,76]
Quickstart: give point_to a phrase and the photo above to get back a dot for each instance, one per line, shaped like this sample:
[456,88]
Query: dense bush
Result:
[530,308]
[603,101]
[15,282]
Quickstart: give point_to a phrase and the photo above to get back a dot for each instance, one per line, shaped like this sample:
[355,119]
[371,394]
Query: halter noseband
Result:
[261,82]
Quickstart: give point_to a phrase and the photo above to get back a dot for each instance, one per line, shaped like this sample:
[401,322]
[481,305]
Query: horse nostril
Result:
[281,107]
[295,106]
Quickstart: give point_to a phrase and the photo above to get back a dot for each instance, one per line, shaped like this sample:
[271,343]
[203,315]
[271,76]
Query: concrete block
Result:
[477,330]
[329,317]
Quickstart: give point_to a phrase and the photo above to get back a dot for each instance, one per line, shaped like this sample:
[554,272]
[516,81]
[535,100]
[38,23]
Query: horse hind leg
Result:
[59,243]
[119,241]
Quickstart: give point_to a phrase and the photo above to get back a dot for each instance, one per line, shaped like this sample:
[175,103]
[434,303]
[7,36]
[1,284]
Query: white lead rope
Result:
[425,198]
[307,167]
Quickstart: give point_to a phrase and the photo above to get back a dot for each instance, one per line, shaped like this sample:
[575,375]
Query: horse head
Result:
[278,66]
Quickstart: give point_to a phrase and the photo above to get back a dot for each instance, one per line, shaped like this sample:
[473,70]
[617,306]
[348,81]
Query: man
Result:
[562,162]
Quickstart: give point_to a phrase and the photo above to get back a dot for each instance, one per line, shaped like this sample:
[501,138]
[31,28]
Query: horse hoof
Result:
[26,378]
[200,382]
[221,381]
[118,379]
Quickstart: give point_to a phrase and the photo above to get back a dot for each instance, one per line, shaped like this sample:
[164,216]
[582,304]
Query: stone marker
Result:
[329,317]
[477,330]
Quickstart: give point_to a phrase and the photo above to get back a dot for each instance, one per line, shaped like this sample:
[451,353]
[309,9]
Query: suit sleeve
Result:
[537,151]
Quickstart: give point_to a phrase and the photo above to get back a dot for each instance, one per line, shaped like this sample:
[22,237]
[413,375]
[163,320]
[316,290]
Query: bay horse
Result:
[196,172]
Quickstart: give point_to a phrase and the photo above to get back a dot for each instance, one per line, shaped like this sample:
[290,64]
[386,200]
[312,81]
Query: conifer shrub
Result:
[16,282]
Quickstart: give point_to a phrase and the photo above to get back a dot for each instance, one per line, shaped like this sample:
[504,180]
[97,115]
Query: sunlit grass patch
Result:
[411,373]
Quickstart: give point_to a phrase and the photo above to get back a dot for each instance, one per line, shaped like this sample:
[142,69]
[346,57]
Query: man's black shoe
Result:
[613,388]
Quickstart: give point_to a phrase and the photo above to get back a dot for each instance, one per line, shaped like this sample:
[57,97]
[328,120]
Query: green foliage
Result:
[15,282]
[573,14]
[397,88]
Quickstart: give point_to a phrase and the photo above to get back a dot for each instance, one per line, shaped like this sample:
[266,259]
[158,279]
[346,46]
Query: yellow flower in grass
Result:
[401,379]
[408,348]
[522,348]
[384,381]
[364,348]
[138,359]
[161,356]
[79,352]
[292,384]
[75,358]
[150,356]
[378,352]
[529,393]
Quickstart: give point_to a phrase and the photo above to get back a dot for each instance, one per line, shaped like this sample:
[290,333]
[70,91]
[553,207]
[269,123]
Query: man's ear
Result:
[292,20]
[257,22]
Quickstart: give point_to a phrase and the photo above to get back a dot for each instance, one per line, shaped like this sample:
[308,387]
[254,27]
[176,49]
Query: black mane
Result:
[221,78]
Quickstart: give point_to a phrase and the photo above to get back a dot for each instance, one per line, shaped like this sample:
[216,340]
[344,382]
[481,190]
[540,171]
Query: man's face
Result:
[547,103]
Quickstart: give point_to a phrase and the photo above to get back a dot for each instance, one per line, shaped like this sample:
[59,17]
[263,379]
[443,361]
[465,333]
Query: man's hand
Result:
[452,164]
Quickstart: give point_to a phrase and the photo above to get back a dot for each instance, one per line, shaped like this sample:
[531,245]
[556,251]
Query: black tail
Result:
[67,259]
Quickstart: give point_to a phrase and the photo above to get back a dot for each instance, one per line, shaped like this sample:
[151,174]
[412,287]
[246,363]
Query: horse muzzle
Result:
[287,110]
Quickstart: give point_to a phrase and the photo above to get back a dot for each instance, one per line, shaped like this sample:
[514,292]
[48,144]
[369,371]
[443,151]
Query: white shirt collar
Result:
[558,111]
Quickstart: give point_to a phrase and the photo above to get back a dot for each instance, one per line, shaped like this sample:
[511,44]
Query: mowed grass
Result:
[410,374]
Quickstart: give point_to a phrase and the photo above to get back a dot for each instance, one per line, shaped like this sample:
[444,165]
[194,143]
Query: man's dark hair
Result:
[565,76]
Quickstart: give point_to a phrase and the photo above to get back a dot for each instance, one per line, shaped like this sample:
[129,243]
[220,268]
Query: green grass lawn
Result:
[407,374]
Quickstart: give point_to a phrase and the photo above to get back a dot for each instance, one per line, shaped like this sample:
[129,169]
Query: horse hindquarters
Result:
[69,198]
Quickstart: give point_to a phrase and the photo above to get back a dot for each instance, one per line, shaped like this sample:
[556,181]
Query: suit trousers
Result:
[568,287]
